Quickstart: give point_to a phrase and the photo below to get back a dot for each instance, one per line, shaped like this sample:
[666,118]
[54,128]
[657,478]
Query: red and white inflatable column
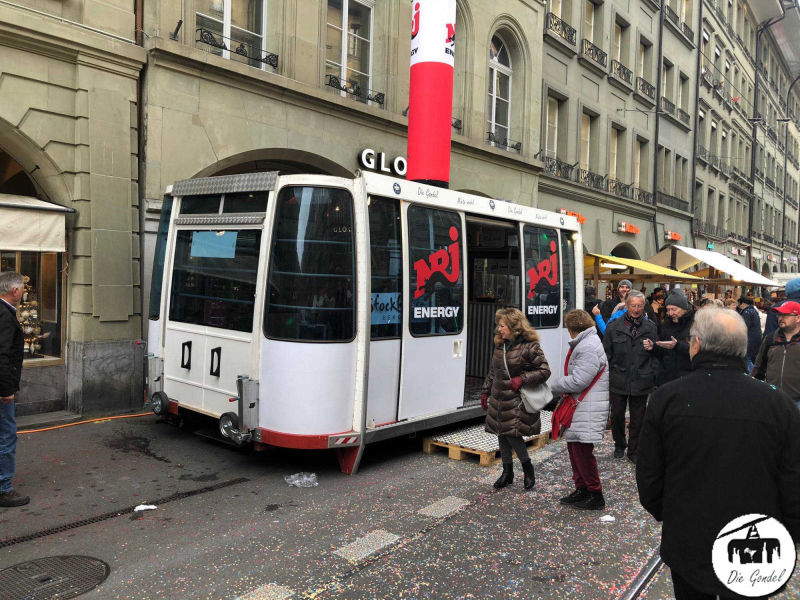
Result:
[430,106]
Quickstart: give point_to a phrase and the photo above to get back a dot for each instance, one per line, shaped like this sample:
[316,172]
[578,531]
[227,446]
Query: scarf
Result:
[633,324]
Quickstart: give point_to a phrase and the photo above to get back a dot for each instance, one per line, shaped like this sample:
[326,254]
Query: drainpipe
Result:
[759,32]
[138,10]
[785,158]
[660,68]
[696,125]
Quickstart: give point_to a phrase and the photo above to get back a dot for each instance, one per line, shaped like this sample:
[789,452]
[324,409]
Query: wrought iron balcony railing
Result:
[594,53]
[770,183]
[622,72]
[623,190]
[672,16]
[709,229]
[667,106]
[561,28]
[646,88]
[254,56]
[702,153]
[503,142]
[590,179]
[354,89]
[558,168]
[643,196]
[687,31]
[684,117]
[672,201]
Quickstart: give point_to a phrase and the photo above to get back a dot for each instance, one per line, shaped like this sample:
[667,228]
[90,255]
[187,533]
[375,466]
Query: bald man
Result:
[693,472]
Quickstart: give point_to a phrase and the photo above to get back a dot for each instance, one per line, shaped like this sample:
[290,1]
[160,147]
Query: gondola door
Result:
[434,332]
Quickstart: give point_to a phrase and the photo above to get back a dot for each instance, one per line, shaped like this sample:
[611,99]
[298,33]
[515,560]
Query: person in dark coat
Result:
[628,344]
[516,345]
[778,360]
[716,445]
[672,347]
[753,322]
[12,288]
[792,294]
[654,308]
[607,307]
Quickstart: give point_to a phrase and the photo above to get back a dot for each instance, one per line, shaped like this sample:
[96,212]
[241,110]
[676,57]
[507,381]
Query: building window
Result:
[586,140]
[612,154]
[555,7]
[588,22]
[232,29]
[348,49]
[551,130]
[500,73]
[617,50]
[39,311]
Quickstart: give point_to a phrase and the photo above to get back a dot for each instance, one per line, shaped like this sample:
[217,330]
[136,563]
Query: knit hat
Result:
[793,287]
[745,300]
[677,298]
[630,285]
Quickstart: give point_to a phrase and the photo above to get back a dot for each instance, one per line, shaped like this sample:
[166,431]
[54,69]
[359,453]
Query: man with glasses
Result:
[778,360]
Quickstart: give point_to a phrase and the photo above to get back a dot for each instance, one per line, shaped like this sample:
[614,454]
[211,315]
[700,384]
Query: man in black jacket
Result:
[11,350]
[792,294]
[628,343]
[672,347]
[716,445]
[753,322]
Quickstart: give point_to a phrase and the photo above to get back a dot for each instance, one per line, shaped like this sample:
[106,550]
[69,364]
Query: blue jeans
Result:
[8,445]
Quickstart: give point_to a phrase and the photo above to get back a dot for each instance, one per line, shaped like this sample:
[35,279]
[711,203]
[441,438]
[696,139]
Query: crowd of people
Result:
[709,440]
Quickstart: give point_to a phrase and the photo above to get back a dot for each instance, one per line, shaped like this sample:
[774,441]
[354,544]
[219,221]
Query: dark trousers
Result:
[684,591]
[584,466]
[507,442]
[637,405]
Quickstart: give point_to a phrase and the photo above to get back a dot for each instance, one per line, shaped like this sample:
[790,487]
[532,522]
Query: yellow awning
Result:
[639,267]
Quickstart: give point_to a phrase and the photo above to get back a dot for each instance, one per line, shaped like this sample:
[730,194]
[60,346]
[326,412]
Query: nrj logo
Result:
[415,21]
[546,269]
[753,555]
[446,262]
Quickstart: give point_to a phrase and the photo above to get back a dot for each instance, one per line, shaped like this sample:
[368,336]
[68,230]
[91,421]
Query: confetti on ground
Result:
[271,591]
[366,545]
[444,507]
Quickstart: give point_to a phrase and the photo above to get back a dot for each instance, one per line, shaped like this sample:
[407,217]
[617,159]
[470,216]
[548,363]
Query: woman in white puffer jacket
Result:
[584,362]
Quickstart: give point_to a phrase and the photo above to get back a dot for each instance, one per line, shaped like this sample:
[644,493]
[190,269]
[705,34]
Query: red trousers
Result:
[584,466]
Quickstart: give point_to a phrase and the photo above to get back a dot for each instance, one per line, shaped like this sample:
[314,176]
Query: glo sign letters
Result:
[378,161]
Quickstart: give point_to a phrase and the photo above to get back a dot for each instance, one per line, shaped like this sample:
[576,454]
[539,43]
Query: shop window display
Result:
[39,311]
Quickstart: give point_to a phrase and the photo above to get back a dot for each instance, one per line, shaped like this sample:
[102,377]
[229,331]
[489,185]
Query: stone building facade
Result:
[69,128]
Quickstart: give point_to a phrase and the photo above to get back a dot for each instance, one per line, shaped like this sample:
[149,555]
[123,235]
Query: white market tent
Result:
[687,257]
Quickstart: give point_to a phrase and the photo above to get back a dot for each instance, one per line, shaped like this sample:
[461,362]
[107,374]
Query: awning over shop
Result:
[688,257]
[642,270]
[30,224]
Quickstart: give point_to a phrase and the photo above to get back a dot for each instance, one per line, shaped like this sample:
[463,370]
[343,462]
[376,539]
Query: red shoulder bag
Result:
[562,415]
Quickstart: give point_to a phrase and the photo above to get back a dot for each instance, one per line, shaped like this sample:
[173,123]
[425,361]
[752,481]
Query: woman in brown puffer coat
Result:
[507,417]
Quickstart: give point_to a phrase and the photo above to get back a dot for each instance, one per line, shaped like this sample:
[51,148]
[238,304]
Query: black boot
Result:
[506,477]
[594,502]
[530,477]
[576,496]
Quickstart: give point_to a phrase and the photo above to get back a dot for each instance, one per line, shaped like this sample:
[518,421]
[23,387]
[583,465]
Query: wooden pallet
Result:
[486,458]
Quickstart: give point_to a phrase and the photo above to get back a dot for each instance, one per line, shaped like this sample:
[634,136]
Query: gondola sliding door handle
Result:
[215,353]
[186,355]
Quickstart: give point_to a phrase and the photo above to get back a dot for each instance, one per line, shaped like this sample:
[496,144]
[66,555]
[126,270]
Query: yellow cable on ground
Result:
[99,419]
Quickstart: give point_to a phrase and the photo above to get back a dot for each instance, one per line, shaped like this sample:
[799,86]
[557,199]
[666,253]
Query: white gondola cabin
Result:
[315,312]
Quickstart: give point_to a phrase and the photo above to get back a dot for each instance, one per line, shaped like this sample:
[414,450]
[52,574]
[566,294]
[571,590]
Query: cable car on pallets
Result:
[315,312]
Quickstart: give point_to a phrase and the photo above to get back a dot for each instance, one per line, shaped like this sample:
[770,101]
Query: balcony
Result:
[672,201]
[702,154]
[558,168]
[672,16]
[667,106]
[593,57]
[592,180]
[687,32]
[768,238]
[709,230]
[621,76]
[770,183]
[354,89]
[705,77]
[684,117]
[503,143]
[645,91]
[617,188]
[236,50]
[561,33]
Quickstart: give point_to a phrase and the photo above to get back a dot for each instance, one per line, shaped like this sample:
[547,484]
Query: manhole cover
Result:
[52,577]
